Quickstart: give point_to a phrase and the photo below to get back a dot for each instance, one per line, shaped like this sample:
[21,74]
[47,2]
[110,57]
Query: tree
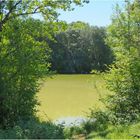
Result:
[124,75]
[23,61]
[80,49]
[11,9]
[24,54]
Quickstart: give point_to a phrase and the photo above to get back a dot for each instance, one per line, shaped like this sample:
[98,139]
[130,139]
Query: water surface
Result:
[69,95]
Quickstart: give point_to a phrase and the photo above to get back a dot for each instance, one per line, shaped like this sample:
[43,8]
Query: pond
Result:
[70,95]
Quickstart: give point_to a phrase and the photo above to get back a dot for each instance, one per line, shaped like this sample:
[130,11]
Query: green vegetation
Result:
[32,129]
[30,49]
[24,56]
[18,75]
[80,49]
[99,127]
[117,132]
[124,75]
[121,116]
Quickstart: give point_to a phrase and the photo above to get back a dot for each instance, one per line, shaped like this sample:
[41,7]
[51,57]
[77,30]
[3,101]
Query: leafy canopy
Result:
[10,9]
[124,76]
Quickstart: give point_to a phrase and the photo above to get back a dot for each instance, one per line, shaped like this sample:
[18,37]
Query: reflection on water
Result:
[72,121]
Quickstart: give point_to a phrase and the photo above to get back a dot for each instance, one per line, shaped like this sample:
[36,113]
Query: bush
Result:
[98,121]
[117,132]
[23,61]
[71,132]
[33,129]
[124,81]
[124,76]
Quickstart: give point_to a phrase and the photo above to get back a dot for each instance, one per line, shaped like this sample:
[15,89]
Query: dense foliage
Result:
[23,60]
[124,76]
[11,9]
[80,49]
[98,126]
[123,79]
[24,54]
[33,129]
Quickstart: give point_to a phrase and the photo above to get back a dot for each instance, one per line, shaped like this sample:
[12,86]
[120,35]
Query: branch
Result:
[10,11]
[28,13]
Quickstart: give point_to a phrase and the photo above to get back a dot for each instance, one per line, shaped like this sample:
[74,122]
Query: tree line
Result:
[80,49]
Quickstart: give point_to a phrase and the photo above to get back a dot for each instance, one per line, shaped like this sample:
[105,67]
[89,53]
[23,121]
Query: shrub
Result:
[71,132]
[33,129]
[99,120]
[124,76]
[23,61]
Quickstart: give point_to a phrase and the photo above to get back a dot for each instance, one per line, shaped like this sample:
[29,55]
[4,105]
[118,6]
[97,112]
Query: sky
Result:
[97,12]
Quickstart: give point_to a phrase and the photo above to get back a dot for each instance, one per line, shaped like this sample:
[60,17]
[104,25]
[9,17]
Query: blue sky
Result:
[97,12]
